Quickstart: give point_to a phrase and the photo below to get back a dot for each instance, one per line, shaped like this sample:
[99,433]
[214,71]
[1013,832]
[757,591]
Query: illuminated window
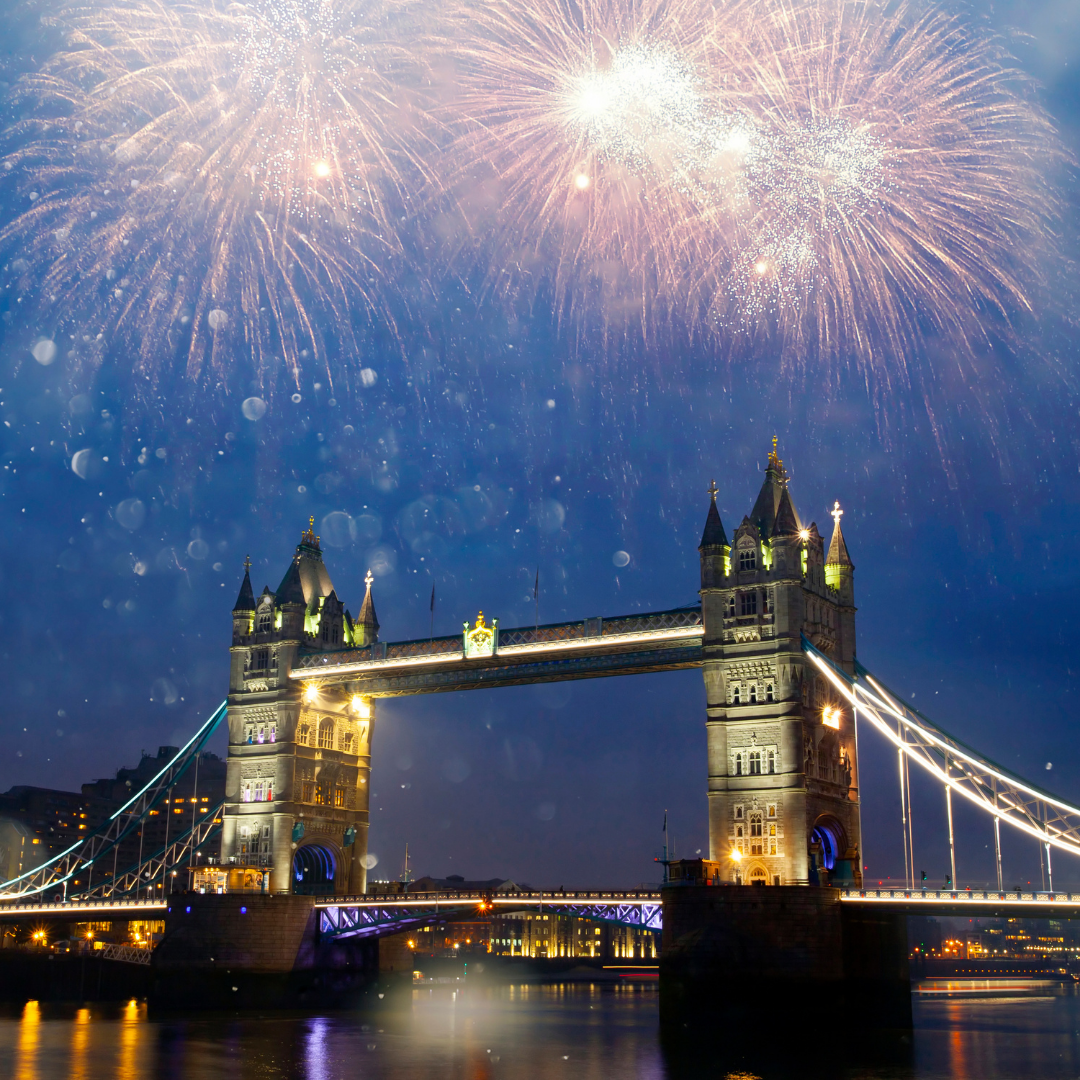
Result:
[772,830]
[339,797]
[747,559]
[346,742]
[748,603]
[755,762]
[307,791]
[772,811]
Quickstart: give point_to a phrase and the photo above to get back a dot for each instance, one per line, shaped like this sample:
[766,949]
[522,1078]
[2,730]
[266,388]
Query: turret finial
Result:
[369,577]
[713,489]
[836,512]
[247,564]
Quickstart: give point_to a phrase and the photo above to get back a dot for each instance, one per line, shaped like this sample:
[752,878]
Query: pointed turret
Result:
[243,612]
[366,627]
[714,547]
[838,552]
[787,520]
[246,600]
[291,589]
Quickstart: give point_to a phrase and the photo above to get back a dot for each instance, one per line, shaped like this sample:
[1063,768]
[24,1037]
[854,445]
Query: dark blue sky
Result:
[524,448]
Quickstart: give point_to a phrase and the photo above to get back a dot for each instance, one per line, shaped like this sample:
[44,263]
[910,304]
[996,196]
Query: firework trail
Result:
[211,181]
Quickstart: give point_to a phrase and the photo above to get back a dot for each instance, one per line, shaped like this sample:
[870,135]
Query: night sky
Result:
[492,440]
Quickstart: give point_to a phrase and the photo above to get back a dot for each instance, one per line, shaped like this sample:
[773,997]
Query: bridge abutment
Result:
[755,954]
[241,950]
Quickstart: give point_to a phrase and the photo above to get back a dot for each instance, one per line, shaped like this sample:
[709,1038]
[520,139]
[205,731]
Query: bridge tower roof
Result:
[307,578]
[766,514]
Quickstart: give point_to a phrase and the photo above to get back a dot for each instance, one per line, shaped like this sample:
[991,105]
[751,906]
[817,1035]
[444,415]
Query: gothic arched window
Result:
[772,762]
[755,762]
[303,733]
[738,764]
[769,692]
[753,693]
[735,696]
[265,622]
[748,603]
[747,559]
[326,735]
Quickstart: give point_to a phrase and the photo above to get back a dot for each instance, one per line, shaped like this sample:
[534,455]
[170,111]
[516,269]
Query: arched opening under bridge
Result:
[313,870]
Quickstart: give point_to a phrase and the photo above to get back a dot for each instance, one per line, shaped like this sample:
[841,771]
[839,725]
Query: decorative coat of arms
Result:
[481,639]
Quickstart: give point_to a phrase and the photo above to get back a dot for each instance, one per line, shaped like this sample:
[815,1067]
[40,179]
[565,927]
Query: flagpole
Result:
[431,634]
[536,599]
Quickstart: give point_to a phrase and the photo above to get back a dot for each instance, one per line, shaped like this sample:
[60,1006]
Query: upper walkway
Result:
[484,656]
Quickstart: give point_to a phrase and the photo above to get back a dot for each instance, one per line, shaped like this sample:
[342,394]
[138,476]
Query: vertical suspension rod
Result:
[948,809]
[997,840]
[903,809]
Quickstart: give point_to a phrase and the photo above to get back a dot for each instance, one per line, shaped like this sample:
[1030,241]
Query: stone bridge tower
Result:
[783,772]
[299,756]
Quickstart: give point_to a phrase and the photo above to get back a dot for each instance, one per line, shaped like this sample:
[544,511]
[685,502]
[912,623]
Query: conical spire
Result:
[291,589]
[714,535]
[838,552]
[368,619]
[787,520]
[246,600]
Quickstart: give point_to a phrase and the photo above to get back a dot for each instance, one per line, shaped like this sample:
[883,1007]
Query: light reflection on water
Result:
[551,1032]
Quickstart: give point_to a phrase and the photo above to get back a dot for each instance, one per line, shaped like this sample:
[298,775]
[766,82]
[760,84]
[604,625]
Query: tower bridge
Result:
[774,637]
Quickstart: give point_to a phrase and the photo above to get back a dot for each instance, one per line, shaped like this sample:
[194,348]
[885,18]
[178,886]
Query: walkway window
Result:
[748,603]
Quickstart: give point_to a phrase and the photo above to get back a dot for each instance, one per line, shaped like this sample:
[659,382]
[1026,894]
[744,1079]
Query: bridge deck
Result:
[587,649]
[81,910]
[972,903]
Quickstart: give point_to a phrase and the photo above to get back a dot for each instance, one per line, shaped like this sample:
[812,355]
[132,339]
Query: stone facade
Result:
[299,756]
[783,774]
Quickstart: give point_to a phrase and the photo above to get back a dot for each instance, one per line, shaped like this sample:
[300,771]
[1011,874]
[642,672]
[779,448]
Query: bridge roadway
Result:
[366,915]
[374,916]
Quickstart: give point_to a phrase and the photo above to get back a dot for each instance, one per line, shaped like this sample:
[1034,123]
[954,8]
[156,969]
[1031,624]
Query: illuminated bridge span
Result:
[364,916]
[774,637]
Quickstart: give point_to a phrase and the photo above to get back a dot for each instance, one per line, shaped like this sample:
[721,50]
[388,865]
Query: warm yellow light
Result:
[362,707]
[582,181]
[736,855]
[89,935]
[830,717]
[322,168]
[311,692]
[804,534]
[456,945]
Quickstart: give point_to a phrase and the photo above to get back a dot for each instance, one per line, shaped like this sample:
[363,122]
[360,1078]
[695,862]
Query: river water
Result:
[548,1032]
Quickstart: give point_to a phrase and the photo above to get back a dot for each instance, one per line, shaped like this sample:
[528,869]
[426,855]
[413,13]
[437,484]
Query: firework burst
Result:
[584,121]
[211,181]
[902,188]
